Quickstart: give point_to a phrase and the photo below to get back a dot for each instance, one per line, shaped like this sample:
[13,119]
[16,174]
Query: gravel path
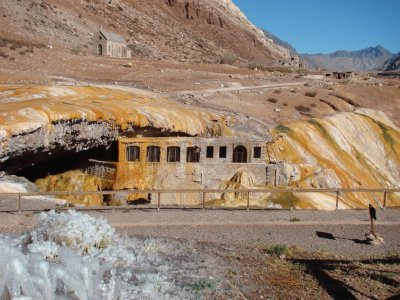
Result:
[232,227]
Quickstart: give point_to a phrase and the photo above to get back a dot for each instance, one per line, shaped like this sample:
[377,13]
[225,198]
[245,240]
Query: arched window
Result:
[193,154]
[240,154]
[173,154]
[132,153]
[100,49]
[153,154]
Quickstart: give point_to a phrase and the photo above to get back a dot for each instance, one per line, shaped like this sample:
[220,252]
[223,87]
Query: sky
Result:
[324,26]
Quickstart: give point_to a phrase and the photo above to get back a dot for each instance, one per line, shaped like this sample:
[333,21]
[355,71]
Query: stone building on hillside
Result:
[111,45]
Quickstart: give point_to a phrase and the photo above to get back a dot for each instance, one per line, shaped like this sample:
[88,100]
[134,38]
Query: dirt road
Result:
[340,233]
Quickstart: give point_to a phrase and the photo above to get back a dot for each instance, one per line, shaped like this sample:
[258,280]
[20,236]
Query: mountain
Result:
[178,30]
[280,42]
[392,64]
[367,59]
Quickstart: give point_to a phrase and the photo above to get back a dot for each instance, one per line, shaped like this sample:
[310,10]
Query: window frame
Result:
[129,154]
[153,154]
[257,152]
[210,152]
[193,154]
[173,154]
[223,151]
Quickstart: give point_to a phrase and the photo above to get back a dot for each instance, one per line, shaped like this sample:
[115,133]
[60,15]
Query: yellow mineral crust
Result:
[75,181]
[24,109]
[361,148]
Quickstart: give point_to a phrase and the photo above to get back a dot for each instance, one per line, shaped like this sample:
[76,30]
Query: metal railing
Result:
[203,192]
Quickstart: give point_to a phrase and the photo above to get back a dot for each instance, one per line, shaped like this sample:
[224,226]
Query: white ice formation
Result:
[75,256]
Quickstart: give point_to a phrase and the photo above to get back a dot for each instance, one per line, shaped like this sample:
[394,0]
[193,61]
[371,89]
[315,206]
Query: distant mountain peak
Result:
[368,59]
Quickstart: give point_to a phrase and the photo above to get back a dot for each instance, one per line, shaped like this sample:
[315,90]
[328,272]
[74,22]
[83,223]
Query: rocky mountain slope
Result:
[190,30]
[392,64]
[280,42]
[362,60]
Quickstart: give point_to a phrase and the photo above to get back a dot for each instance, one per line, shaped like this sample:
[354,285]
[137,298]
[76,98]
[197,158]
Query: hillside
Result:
[392,64]
[362,60]
[280,42]
[177,30]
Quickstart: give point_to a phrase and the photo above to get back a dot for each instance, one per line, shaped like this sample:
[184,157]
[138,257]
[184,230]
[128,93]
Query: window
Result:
[240,154]
[153,154]
[222,152]
[99,38]
[133,153]
[193,154]
[210,152]
[257,152]
[173,154]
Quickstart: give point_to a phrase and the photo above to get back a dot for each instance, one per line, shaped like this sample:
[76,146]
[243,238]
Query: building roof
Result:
[110,36]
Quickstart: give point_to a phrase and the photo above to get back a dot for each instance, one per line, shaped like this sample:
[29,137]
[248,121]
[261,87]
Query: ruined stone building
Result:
[187,162]
[111,45]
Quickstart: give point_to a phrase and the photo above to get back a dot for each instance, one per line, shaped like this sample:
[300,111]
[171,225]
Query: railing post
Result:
[19,204]
[113,203]
[67,204]
[204,200]
[248,201]
[384,199]
[337,200]
[158,201]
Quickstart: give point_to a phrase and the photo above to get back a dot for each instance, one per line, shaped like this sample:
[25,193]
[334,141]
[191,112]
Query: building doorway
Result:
[239,154]
[100,49]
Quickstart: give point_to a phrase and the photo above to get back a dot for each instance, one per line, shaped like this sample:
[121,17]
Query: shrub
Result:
[294,220]
[277,91]
[293,91]
[285,104]
[227,59]
[3,54]
[311,93]
[254,65]
[273,100]
[302,108]
[202,284]
[313,105]
[307,84]
[277,250]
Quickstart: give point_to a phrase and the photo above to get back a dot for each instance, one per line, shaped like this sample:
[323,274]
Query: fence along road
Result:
[203,192]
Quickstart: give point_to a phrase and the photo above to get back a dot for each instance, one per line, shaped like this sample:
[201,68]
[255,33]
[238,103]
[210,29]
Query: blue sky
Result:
[324,26]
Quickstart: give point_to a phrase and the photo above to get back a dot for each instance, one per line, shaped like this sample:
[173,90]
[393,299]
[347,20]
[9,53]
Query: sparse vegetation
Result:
[302,108]
[285,104]
[294,220]
[313,105]
[256,66]
[277,250]
[307,84]
[272,100]
[277,91]
[201,285]
[311,93]
[227,59]
[293,91]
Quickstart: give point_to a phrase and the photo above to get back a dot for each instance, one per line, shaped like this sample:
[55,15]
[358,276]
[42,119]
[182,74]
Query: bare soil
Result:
[270,254]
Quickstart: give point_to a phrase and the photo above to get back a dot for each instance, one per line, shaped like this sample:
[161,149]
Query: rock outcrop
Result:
[347,150]
[38,122]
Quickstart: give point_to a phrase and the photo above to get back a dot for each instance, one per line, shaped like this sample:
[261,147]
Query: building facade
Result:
[187,162]
[111,45]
